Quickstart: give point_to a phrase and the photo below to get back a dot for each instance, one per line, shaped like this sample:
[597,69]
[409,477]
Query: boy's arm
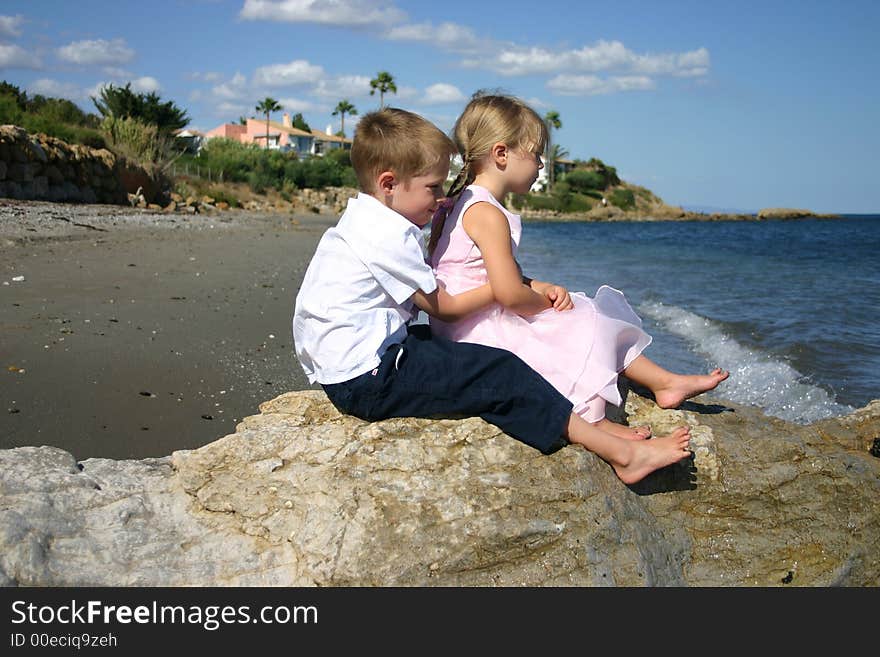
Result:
[448,307]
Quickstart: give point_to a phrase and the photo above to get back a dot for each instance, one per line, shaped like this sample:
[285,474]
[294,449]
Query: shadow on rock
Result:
[676,477]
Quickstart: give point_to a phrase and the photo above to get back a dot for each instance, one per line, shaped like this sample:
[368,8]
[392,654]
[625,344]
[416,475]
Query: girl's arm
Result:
[488,228]
[448,307]
[557,294]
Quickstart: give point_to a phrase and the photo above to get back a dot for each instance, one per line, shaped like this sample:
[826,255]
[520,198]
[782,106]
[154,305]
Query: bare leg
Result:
[629,433]
[632,460]
[671,389]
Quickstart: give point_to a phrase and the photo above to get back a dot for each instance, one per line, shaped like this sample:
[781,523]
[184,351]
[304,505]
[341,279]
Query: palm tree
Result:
[383,81]
[551,118]
[267,106]
[343,108]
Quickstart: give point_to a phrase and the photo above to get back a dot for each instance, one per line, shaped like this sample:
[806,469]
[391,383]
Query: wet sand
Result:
[134,334]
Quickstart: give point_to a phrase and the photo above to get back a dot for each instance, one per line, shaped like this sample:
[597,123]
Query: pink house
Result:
[228,131]
[281,136]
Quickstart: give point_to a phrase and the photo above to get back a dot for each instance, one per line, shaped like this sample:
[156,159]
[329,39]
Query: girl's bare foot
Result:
[627,433]
[685,386]
[649,455]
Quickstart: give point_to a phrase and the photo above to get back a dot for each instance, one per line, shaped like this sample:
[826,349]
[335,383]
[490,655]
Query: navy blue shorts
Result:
[428,376]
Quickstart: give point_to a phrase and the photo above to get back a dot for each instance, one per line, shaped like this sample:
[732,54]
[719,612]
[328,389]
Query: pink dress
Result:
[579,351]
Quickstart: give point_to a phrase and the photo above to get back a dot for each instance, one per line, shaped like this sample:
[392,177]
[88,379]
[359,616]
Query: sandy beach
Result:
[129,334]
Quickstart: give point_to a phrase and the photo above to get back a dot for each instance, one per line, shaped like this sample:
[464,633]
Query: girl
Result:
[579,344]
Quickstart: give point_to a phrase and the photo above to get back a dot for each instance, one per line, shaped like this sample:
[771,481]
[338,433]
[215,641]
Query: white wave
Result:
[756,377]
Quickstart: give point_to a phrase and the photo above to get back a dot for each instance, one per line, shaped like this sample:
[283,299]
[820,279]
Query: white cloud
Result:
[18,57]
[10,26]
[688,64]
[343,13]
[592,85]
[449,36]
[344,86]
[145,85]
[118,73]
[294,105]
[293,73]
[55,89]
[97,51]
[537,103]
[233,89]
[441,93]
[604,56]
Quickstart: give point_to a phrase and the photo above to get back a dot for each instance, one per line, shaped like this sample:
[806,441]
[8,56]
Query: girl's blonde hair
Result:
[487,120]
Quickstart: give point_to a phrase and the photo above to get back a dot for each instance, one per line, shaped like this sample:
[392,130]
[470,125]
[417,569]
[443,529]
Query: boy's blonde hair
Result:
[393,139]
[486,120]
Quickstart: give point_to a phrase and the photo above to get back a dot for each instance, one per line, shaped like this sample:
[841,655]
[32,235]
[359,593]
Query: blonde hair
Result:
[486,120]
[393,139]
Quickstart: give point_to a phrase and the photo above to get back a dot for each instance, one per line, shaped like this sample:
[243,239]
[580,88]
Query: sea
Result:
[790,307]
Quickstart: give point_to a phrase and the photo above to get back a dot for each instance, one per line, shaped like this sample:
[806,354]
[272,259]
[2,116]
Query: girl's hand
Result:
[559,297]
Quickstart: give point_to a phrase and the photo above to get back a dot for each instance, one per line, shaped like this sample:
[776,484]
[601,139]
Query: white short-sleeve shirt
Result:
[354,300]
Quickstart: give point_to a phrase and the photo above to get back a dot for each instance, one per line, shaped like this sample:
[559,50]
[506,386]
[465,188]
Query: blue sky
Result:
[733,105]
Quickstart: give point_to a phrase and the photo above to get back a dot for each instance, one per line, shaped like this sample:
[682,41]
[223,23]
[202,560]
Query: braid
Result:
[464,178]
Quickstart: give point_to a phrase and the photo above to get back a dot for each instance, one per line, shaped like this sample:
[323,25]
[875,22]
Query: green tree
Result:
[122,102]
[299,122]
[20,97]
[383,83]
[551,118]
[608,173]
[267,106]
[342,108]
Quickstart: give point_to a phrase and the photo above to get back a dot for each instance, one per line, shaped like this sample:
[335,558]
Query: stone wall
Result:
[39,167]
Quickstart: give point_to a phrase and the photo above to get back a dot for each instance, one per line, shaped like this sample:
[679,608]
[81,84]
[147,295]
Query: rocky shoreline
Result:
[669,213]
[300,495]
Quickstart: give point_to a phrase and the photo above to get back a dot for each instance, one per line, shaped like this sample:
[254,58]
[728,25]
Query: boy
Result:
[350,320]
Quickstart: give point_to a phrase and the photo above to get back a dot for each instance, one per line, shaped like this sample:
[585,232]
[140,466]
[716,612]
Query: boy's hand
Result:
[559,297]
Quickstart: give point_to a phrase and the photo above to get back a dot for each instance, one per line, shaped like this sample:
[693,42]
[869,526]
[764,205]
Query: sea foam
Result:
[756,377]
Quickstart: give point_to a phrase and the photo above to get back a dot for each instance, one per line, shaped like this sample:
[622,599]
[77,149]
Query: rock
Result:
[783,213]
[303,496]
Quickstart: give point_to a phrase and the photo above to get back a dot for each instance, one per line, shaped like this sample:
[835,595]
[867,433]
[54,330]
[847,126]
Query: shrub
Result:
[221,195]
[623,199]
[581,180]
[144,143]
[577,203]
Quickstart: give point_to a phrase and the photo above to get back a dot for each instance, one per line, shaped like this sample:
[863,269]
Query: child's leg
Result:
[632,460]
[628,433]
[595,408]
[671,389]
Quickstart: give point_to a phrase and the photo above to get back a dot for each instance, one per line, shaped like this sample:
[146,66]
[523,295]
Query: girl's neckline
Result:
[486,189]
[494,198]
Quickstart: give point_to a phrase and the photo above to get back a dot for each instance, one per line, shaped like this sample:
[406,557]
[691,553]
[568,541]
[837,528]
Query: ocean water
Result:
[791,308]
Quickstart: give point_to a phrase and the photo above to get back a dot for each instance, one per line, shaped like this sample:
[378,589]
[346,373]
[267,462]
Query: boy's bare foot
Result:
[627,433]
[685,386]
[649,455]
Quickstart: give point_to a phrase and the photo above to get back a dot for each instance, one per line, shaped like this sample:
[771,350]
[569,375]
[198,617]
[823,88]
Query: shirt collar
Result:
[375,223]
